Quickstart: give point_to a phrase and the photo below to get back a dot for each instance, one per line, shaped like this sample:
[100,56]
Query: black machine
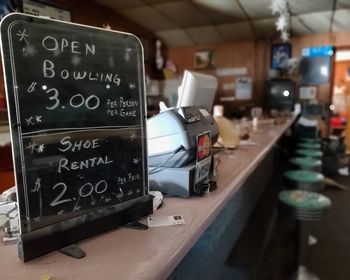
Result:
[280,95]
[172,147]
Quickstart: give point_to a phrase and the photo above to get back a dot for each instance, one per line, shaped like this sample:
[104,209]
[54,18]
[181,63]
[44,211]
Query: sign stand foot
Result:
[136,225]
[73,251]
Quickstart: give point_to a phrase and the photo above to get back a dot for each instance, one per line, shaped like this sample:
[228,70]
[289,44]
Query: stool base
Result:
[303,273]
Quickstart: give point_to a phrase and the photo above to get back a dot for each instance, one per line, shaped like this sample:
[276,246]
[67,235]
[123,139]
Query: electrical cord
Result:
[154,170]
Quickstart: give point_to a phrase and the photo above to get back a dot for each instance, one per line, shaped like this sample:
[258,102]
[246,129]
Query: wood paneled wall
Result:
[341,79]
[255,55]
[251,55]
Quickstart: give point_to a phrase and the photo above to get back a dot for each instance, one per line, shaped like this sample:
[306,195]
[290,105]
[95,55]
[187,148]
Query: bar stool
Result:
[310,140]
[311,146]
[303,206]
[304,180]
[306,163]
[309,153]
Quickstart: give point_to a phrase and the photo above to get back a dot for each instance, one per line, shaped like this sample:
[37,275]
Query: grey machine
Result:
[172,146]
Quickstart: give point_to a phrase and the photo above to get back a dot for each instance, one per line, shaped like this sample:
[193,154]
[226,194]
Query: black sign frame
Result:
[41,230]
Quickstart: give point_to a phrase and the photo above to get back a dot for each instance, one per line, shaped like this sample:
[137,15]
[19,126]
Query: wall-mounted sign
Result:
[318,51]
[309,93]
[234,71]
[77,113]
[244,88]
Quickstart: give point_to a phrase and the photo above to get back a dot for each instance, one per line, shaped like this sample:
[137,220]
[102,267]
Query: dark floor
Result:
[267,250]
[330,257]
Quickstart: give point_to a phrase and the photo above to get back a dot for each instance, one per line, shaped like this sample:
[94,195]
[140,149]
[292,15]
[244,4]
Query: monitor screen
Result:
[280,95]
[315,70]
[198,90]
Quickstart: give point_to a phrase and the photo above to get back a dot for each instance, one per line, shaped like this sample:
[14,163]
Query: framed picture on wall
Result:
[280,53]
[203,59]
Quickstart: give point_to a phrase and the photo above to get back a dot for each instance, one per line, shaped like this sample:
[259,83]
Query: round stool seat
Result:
[306,163]
[304,205]
[306,145]
[304,180]
[309,153]
[310,140]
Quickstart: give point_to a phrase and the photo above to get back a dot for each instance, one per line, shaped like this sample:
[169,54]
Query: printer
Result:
[172,148]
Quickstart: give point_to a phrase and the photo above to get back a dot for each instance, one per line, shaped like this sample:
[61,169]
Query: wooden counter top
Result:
[153,254]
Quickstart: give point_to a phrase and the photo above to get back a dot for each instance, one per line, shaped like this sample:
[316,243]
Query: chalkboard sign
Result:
[77,114]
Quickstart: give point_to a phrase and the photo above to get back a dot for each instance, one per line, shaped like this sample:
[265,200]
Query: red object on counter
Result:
[338,121]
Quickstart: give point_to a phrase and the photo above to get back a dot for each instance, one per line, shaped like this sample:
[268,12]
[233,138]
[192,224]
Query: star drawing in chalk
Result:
[32,146]
[23,36]
[60,212]
[41,148]
[37,219]
[29,121]
[38,119]
[77,208]
[130,192]
[136,160]
[132,137]
[119,195]
[108,199]
[132,86]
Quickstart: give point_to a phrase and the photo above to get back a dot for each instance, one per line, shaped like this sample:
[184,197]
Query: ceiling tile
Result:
[175,38]
[205,35]
[341,20]
[184,14]
[257,9]
[317,22]
[299,27]
[309,6]
[265,28]
[121,4]
[214,21]
[149,18]
[227,8]
[236,31]
[217,17]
